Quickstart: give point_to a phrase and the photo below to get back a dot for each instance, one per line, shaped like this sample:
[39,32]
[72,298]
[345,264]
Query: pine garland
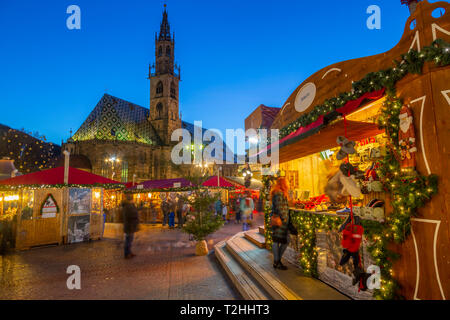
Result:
[60,186]
[411,62]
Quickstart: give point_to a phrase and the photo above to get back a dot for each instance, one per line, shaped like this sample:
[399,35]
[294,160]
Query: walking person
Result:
[180,204]
[225,213]
[280,221]
[238,210]
[172,210]
[246,207]
[218,207]
[165,208]
[130,224]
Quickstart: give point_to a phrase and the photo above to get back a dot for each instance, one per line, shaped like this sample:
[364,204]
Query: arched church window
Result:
[160,51]
[173,91]
[159,110]
[159,88]
[168,51]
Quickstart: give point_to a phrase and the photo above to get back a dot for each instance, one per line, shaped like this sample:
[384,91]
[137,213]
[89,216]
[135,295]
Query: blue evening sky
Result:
[234,55]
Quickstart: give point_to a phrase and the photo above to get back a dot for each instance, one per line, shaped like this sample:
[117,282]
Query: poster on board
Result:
[78,229]
[79,201]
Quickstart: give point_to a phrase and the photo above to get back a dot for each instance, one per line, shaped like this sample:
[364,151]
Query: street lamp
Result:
[113,160]
[248,174]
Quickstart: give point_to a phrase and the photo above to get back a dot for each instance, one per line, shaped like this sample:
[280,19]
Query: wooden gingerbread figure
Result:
[407,140]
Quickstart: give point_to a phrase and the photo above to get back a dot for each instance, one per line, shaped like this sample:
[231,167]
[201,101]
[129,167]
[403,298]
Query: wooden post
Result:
[66,166]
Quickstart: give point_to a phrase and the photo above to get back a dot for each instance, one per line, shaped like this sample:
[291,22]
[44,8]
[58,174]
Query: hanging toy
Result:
[352,232]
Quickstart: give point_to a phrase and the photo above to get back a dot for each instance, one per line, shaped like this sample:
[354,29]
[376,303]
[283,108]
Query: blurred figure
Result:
[165,208]
[247,206]
[218,207]
[238,209]
[152,213]
[224,213]
[172,210]
[184,212]
[130,223]
[179,208]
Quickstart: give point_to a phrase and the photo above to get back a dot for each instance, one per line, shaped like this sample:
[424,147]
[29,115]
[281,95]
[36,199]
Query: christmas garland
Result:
[408,193]
[411,62]
[173,189]
[60,186]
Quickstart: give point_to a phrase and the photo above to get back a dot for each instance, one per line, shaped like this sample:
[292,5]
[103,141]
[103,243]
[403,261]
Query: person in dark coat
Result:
[130,224]
[238,209]
[165,208]
[280,234]
[180,204]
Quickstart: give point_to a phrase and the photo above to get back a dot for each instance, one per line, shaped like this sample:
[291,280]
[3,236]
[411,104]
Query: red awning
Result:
[56,176]
[215,181]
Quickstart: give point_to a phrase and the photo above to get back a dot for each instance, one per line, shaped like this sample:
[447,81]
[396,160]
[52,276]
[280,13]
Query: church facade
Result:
[128,142]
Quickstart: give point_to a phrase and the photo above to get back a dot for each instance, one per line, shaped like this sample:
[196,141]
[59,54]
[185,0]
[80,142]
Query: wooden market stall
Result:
[219,184]
[148,196]
[50,212]
[395,106]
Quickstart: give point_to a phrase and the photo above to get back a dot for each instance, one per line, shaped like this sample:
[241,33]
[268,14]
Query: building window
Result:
[159,88]
[160,51]
[124,175]
[168,51]
[173,91]
[159,110]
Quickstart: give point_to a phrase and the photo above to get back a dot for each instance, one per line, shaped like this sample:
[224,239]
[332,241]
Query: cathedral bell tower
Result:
[164,78]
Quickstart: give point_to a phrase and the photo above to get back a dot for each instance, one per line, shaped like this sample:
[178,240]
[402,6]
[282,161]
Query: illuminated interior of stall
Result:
[308,173]
[9,203]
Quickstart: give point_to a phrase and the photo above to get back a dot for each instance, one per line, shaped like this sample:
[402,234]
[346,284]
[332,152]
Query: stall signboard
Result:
[49,208]
[79,201]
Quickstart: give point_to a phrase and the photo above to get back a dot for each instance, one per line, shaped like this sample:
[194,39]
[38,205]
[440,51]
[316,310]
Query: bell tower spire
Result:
[164,78]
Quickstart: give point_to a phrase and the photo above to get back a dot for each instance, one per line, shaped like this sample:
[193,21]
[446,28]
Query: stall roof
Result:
[326,139]
[220,182]
[55,176]
[162,184]
[254,185]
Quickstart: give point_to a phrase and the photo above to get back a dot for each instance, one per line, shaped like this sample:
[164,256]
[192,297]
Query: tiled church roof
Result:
[117,119]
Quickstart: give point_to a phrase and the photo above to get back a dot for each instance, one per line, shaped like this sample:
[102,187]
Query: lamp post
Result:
[218,175]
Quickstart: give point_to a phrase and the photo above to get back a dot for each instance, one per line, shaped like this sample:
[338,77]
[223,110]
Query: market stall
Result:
[221,185]
[148,196]
[48,211]
[373,127]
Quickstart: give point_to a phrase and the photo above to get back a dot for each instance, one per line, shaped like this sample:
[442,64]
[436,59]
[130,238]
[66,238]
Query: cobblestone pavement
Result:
[165,268]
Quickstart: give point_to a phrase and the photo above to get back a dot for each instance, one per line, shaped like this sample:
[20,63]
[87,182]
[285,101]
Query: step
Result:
[242,250]
[288,284]
[262,230]
[256,238]
[247,287]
